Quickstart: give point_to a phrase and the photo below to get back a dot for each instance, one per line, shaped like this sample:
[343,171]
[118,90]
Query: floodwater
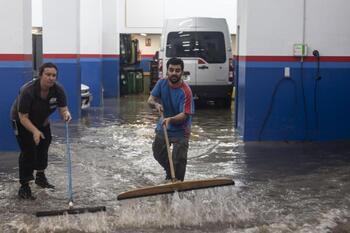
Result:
[280,187]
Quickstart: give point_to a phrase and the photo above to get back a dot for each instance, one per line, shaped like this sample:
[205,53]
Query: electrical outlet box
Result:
[287,72]
[300,50]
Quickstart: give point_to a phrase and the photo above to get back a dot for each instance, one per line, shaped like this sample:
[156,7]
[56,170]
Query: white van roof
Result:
[201,23]
[196,24]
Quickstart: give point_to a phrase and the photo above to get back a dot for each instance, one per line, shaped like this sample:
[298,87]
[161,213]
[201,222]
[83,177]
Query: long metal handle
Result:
[69,165]
[170,155]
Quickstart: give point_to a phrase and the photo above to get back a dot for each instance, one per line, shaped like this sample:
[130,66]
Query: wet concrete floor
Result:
[280,187]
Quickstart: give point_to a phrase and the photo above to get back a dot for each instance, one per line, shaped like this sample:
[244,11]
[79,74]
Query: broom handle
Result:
[170,155]
[69,165]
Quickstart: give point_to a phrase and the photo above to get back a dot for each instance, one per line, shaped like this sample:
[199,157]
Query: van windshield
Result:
[209,46]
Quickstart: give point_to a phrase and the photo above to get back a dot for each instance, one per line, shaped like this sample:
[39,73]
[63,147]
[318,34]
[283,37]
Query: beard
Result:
[174,79]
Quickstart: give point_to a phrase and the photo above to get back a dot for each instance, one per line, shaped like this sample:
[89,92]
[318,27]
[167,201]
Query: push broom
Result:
[70,209]
[174,185]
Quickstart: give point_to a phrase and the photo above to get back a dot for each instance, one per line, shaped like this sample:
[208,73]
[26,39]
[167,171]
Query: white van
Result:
[204,44]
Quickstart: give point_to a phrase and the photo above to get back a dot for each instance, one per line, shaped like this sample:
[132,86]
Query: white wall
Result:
[147,16]
[15,37]
[61,26]
[135,16]
[242,22]
[271,27]
[203,8]
[37,13]
[327,26]
[91,27]
[274,26]
[110,27]
[143,14]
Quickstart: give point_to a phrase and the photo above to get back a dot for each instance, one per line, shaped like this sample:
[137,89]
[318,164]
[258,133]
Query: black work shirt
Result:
[30,102]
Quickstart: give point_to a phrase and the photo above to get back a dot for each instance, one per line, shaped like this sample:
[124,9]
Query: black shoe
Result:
[25,192]
[42,181]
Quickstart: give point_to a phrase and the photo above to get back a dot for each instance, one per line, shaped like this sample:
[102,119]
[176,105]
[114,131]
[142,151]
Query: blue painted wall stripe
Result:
[91,75]
[272,107]
[15,64]
[13,75]
[110,77]
[297,64]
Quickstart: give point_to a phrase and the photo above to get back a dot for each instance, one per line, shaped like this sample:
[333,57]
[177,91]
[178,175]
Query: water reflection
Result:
[280,187]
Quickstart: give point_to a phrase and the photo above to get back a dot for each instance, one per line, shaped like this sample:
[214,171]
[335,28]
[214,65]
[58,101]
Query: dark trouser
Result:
[180,148]
[32,157]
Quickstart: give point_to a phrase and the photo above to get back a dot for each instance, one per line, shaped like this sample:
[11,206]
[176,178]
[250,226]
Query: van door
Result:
[182,44]
[212,68]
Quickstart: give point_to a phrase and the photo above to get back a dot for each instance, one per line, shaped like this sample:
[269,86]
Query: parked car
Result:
[204,44]
[86,96]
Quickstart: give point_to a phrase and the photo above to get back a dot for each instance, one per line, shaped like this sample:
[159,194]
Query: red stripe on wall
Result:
[15,57]
[269,58]
[332,59]
[147,55]
[110,55]
[91,55]
[292,58]
[74,56]
[99,56]
[64,56]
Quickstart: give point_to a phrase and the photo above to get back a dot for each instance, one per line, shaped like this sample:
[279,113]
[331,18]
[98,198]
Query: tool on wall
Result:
[316,54]
[272,101]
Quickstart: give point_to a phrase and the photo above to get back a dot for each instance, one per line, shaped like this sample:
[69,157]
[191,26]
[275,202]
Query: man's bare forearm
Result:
[152,101]
[178,119]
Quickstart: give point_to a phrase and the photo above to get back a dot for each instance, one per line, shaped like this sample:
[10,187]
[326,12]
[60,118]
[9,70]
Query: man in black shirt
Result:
[30,112]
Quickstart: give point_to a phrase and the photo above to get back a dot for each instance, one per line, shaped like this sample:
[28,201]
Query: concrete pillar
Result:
[282,95]
[91,48]
[61,45]
[110,48]
[15,61]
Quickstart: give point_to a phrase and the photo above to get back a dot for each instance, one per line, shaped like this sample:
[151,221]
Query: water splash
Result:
[193,208]
[277,190]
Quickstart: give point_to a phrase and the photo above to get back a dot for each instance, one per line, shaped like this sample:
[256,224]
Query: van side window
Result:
[209,46]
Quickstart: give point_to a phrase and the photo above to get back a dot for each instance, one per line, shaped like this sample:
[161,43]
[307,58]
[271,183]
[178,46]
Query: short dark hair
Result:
[175,61]
[47,65]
